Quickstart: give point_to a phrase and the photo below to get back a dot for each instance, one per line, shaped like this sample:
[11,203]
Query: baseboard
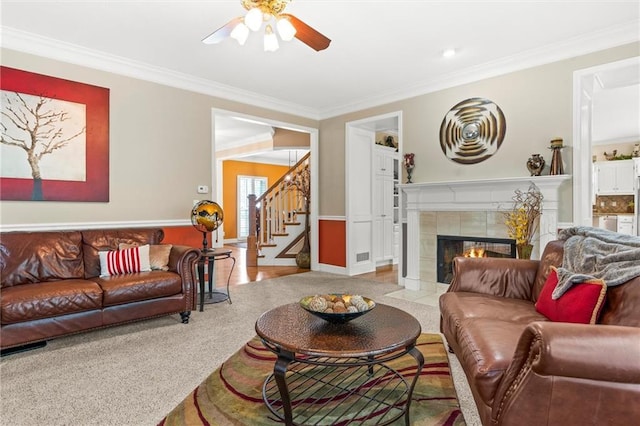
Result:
[23,348]
[72,226]
[333,269]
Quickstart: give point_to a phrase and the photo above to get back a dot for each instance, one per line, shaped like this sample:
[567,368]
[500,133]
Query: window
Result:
[247,185]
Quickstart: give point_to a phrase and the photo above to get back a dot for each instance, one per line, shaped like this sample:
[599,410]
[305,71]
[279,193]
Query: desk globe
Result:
[206,216]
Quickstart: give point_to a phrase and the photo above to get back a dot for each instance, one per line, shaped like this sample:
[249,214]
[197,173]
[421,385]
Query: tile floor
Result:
[426,297]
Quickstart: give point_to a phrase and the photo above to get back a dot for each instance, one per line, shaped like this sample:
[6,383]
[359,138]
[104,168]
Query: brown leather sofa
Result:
[526,370]
[51,285]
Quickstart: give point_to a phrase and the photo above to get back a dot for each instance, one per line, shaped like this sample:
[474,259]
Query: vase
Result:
[524,251]
[535,164]
[409,173]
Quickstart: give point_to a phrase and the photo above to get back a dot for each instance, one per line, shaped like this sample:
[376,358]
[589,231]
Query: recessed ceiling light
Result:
[447,53]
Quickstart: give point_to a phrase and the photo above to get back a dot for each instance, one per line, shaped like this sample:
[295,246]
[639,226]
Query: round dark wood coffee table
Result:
[331,373]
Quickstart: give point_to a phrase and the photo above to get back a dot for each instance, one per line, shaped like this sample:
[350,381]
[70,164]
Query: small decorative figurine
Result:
[535,164]
[636,150]
[556,160]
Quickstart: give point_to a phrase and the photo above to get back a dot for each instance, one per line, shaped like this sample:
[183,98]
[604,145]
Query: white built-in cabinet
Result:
[614,177]
[372,199]
[386,210]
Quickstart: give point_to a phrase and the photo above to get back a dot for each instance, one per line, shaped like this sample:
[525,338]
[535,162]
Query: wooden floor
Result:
[243,274]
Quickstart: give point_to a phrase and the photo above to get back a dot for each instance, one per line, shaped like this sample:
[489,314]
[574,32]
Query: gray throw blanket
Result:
[597,253]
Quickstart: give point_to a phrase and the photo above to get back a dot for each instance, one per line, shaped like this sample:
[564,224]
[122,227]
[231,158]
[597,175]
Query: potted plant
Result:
[523,219]
[301,183]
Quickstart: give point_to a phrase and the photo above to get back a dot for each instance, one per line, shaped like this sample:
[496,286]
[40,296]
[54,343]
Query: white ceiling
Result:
[380,50]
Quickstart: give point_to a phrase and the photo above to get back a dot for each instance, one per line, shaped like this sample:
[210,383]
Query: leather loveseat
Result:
[526,370]
[51,283]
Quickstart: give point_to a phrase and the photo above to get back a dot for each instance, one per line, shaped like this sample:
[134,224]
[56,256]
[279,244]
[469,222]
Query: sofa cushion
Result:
[551,256]
[458,306]
[125,261]
[621,305]
[119,289]
[31,257]
[49,299]
[98,240]
[580,304]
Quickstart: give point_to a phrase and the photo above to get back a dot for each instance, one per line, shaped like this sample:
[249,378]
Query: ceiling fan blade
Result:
[308,35]
[222,33]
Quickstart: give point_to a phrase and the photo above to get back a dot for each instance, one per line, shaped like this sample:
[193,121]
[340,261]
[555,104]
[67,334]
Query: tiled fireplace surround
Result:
[466,208]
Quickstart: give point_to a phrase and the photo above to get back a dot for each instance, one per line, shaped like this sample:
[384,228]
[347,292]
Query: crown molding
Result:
[576,46]
[23,41]
[35,44]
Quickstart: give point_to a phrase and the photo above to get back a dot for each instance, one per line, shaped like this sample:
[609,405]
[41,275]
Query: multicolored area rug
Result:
[232,394]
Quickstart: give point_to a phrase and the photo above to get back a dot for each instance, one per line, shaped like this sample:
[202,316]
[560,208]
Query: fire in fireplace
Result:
[450,246]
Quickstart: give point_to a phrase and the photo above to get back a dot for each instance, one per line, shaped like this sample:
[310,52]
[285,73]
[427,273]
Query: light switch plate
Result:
[203,189]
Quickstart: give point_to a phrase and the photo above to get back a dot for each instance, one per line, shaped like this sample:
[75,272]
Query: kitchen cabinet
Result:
[608,222]
[625,225]
[385,204]
[614,177]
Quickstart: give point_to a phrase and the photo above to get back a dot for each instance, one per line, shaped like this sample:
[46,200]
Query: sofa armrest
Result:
[564,373]
[505,277]
[182,260]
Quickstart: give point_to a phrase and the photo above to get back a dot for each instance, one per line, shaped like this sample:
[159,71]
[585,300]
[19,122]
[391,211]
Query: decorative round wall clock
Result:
[472,131]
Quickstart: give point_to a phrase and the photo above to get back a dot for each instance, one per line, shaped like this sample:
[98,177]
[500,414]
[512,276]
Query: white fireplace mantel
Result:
[473,195]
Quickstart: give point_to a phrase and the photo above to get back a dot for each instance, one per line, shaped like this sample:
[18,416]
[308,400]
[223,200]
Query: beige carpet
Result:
[135,374]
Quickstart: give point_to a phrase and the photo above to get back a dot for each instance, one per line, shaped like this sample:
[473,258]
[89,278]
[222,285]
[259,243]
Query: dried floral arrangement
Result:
[523,219]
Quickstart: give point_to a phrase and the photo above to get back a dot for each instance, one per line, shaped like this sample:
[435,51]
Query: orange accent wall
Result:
[332,247]
[231,169]
[185,236]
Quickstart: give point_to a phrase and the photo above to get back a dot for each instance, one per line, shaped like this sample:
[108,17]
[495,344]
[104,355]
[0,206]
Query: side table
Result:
[209,257]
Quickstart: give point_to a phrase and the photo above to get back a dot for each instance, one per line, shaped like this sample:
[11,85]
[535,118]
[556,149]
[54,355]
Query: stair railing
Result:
[270,213]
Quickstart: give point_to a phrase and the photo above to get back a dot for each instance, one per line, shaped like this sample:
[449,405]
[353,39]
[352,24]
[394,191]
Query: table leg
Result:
[414,352]
[210,262]
[201,282]
[229,278]
[279,372]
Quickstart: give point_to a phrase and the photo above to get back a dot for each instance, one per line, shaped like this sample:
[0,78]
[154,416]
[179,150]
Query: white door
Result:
[359,207]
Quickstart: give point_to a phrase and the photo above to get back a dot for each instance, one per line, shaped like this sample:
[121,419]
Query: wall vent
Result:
[361,257]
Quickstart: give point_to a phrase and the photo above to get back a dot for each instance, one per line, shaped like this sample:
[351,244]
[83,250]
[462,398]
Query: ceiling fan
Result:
[268,12]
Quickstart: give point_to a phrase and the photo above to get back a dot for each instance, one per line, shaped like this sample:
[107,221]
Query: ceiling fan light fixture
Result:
[285,29]
[253,19]
[270,40]
[271,14]
[240,33]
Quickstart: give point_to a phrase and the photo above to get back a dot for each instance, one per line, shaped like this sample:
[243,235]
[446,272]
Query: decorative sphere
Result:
[206,216]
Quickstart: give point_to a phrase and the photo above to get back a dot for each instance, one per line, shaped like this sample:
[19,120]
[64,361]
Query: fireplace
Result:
[450,246]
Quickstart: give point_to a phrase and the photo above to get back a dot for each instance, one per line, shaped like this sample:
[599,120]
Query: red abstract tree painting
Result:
[55,139]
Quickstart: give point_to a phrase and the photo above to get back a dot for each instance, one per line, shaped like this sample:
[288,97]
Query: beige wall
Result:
[160,138]
[160,148]
[285,138]
[537,104]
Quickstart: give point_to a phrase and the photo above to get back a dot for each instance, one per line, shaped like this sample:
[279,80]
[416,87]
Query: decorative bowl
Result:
[336,317]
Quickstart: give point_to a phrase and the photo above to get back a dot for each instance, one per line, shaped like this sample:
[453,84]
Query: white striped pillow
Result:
[127,261]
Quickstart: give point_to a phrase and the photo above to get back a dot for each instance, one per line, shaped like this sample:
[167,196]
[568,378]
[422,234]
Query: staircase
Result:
[277,219]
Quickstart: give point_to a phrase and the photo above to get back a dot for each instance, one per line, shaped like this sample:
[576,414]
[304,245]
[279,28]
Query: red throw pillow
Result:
[580,304]
[127,261]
